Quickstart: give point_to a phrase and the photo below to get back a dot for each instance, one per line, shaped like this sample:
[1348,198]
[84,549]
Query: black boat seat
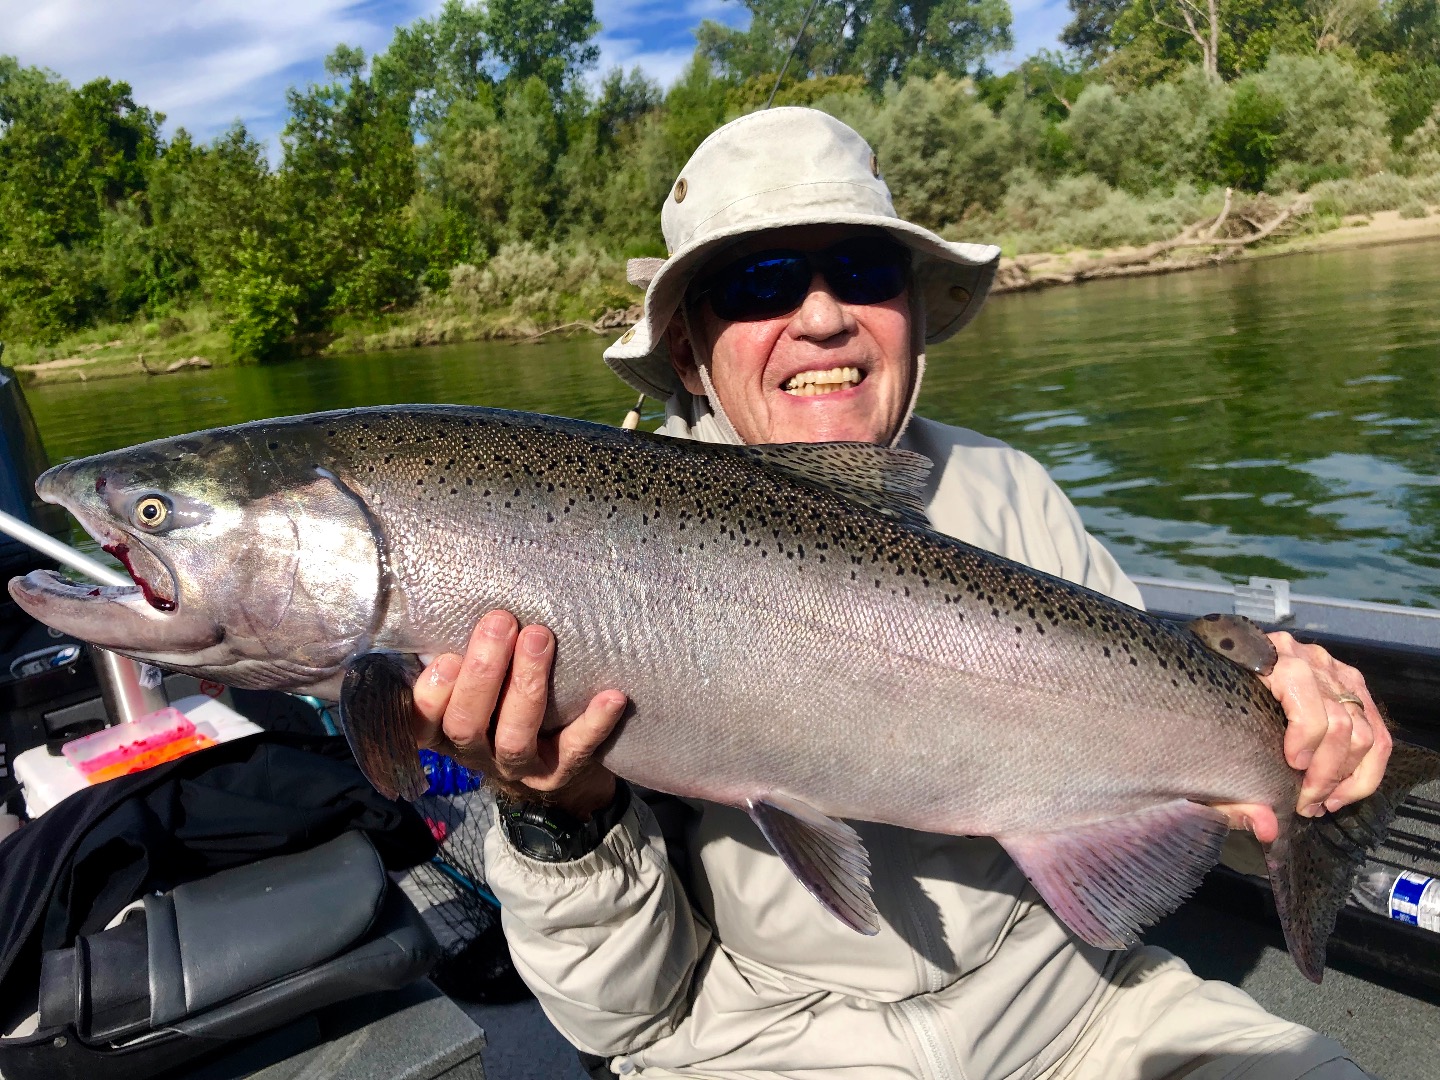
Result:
[226,957]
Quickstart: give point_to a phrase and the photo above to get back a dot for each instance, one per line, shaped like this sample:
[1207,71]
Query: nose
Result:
[821,316]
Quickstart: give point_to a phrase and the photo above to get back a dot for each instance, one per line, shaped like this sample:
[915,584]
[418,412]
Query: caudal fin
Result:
[1314,863]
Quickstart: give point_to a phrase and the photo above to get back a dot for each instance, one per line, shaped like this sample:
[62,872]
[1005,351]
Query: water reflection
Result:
[1279,417]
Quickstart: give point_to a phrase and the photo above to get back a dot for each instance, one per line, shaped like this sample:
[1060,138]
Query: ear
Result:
[682,356]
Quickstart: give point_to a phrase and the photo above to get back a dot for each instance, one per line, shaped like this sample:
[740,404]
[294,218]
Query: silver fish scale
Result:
[753,619]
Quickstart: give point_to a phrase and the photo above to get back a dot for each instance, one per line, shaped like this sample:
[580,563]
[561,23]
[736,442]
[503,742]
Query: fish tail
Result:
[1315,861]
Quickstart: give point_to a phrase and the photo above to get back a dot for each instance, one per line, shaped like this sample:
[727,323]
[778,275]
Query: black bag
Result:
[209,956]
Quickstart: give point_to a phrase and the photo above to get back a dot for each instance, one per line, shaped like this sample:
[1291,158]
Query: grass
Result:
[124,348]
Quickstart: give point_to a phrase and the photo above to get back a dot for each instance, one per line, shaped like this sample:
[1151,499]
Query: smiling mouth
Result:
[828,381]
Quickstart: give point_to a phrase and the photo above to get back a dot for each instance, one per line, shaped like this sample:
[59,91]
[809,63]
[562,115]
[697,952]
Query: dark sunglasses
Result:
[767,284]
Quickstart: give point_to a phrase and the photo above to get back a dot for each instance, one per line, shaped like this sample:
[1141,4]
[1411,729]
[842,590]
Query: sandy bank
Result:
[1040,271]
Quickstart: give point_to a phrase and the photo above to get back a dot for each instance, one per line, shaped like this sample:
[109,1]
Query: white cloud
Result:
[662,65]
[202,64]
[207,63]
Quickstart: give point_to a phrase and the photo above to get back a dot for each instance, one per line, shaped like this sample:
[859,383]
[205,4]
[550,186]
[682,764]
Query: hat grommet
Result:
[681,187]
[959,294]
[628,336]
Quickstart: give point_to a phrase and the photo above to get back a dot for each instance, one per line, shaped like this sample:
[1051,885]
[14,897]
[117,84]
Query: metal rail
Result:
[130,689]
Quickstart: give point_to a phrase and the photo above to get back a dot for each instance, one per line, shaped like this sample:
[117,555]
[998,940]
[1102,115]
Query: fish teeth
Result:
[810,383]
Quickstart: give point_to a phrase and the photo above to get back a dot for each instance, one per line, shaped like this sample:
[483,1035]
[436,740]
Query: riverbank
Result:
[196,339]
[1039,271]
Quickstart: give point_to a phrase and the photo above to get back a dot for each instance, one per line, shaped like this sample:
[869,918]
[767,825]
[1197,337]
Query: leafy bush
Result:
[1414,209]
[1084,211]
[262,304]
[942,152]
[1331,118]
[1369,194]
[1245,145]
[1425,139]
[1150,139]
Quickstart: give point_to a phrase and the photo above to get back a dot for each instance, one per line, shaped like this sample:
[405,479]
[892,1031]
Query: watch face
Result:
[535,840]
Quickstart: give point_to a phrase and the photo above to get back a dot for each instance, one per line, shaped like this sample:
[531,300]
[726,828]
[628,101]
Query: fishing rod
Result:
[62,553]
[130,689]
[793,46]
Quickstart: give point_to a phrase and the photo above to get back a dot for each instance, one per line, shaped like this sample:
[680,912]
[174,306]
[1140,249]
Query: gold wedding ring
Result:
[1350,699]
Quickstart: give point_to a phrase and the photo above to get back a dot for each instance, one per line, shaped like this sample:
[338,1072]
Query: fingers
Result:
[488,708]
[569,754]
[522,706]
[480,682]
[1364,779]
[432,695]
[1331,761]
[1257,818]
[1342,746]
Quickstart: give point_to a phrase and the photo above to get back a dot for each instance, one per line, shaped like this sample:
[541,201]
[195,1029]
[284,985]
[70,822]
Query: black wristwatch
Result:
[549,834]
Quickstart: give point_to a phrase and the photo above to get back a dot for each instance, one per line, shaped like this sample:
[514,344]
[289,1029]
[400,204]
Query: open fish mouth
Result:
[142,617]
[119,617]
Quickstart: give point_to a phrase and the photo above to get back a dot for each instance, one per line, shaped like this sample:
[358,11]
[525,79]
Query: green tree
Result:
[433,64]
[1245,144]
[68,160]
[1089,33]
[879,40]
[348,177]
[549,40]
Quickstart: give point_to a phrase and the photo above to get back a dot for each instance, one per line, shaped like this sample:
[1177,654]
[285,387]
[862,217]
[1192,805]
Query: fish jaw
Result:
[117,617]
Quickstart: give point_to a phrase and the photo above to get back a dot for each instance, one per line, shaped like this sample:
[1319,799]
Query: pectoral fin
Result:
[825,855]
[377,713]
[1109,880]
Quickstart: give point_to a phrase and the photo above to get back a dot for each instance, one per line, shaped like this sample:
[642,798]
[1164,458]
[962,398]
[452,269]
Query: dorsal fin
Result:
[888,481]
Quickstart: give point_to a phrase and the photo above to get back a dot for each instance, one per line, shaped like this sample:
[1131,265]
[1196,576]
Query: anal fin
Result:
[826,855]
[377,710]
[1110,879]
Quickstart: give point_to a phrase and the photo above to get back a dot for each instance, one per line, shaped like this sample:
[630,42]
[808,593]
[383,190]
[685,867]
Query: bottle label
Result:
[1415,899]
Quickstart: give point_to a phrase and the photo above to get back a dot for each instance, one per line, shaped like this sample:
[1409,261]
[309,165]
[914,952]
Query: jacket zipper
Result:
[917,1011]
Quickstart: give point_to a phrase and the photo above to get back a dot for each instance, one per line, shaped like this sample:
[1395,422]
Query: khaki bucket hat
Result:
[771,169]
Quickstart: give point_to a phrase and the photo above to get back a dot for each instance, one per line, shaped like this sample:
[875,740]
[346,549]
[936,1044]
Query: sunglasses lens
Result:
[760,287]
[866,271]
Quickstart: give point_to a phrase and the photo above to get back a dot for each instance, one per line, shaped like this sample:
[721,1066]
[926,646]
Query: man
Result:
[796,306]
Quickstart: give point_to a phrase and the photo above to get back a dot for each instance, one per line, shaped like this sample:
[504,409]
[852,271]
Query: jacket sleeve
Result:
[609,942]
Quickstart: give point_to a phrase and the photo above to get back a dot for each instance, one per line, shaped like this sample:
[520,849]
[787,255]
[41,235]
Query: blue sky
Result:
[207,63]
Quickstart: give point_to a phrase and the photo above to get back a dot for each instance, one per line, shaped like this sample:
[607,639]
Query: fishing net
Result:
[451,894]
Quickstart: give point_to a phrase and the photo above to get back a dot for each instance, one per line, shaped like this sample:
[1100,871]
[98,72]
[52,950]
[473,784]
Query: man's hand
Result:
[1335,734]
[485,709]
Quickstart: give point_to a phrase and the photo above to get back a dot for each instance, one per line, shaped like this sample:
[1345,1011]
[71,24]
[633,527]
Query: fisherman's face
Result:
[826,371]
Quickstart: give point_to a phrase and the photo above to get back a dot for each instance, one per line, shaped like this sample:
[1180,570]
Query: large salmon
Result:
[793,638]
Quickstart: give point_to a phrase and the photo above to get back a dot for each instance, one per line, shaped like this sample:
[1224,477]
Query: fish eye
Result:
[152,512]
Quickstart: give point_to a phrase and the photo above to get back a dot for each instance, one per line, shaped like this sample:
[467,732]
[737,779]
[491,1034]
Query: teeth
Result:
[810,383]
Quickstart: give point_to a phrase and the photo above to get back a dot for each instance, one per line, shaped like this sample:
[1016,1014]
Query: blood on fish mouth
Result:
[121,551]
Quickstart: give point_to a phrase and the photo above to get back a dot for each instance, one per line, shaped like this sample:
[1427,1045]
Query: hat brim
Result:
[952,280]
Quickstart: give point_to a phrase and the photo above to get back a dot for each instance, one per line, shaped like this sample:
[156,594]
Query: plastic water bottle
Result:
[446,775]
[1403,895]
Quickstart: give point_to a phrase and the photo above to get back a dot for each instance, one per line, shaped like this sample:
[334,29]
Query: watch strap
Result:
[549,834]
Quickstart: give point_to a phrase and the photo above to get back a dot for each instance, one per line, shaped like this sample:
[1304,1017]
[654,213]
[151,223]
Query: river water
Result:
[1279,417]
